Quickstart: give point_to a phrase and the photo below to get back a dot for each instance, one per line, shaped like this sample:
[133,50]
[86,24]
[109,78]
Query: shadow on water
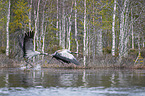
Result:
[67,82]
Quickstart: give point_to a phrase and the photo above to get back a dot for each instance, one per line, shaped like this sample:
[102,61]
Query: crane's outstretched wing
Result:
[28,47]
[65,56]
[20,41]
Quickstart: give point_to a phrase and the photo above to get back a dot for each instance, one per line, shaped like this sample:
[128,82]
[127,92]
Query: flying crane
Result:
[28,48]
[64,55]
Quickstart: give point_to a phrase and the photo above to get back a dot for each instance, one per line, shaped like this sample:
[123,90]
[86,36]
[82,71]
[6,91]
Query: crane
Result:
[28,48]
[64,55]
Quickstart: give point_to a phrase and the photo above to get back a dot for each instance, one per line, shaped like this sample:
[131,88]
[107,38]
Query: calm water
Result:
[64,82]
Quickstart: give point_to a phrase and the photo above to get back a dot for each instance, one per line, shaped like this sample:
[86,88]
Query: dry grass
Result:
[103,62]
[6,62]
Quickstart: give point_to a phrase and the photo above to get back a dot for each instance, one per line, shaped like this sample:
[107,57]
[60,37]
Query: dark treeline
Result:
[102,31]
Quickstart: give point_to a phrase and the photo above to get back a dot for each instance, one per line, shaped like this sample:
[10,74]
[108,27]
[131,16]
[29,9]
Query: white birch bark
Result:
[138,41]
[143,41]
[84,39]
[99,43]
[57,21]
[126,32]
[89,43]
[60,35]
[122,32]
[132,33]
[63,25]
[87,39]
[113,30]
[94,36]
[69,31]
[7,29]
[30,6]
[7,80]
[76,29]
[42,27]
[99,39]
[36,26]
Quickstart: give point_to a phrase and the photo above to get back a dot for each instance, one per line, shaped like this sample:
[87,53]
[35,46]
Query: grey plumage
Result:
[28,48]
[65,56]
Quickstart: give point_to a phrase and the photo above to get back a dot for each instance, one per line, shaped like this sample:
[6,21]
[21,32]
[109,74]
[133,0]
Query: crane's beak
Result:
[74,52]
[77,53]
[45,53]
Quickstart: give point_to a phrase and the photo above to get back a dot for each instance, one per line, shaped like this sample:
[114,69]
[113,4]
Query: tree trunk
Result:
[30,5]
[63,25]
[99,39]
[42,27]
[69,31]
[84,40]
[57,21]
[76,29]
[138,41]
[122,33]
[126,32]
[99,43]
[36,26]
[60,33]
[132,33]
[94,36]
[113,30]
[7,30]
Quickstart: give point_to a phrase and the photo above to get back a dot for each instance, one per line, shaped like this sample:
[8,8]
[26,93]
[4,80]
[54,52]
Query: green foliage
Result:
[107,50]
[2,50]
[3,12]
[20,18]
[133,51]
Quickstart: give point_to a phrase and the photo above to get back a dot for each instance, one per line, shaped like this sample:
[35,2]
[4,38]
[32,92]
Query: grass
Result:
[100,62]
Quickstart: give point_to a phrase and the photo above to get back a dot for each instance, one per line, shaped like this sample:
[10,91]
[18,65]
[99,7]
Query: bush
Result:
[2,50]
[107,50]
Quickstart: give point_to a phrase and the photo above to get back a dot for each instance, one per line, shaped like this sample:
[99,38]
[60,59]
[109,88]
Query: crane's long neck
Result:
[44,54]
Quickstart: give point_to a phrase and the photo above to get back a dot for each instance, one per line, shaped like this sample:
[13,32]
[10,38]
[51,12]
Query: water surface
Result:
[70,82]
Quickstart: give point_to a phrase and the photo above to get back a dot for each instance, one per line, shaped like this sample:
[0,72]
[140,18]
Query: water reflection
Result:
[68,79]
[84,80]
[94,80]
[74,78]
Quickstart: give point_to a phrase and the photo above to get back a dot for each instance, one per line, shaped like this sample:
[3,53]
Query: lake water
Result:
[71,82]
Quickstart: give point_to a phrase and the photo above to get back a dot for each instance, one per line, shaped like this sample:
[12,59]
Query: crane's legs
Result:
[61,62]
[27,62]
[50,60]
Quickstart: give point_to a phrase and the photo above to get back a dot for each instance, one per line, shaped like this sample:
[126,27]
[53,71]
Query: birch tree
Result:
[94,35]
[63,24]
[42,28]
[126,29]
[113,29]
[36,25]
[60,33]
[99,43]
[132,33]
[70,27]
[30,6]
[7,29]
[76,29]
[57,20]
[122,32]
[99,47]
[84,38]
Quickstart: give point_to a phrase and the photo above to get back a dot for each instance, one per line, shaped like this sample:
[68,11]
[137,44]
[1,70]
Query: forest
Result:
[105,33]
